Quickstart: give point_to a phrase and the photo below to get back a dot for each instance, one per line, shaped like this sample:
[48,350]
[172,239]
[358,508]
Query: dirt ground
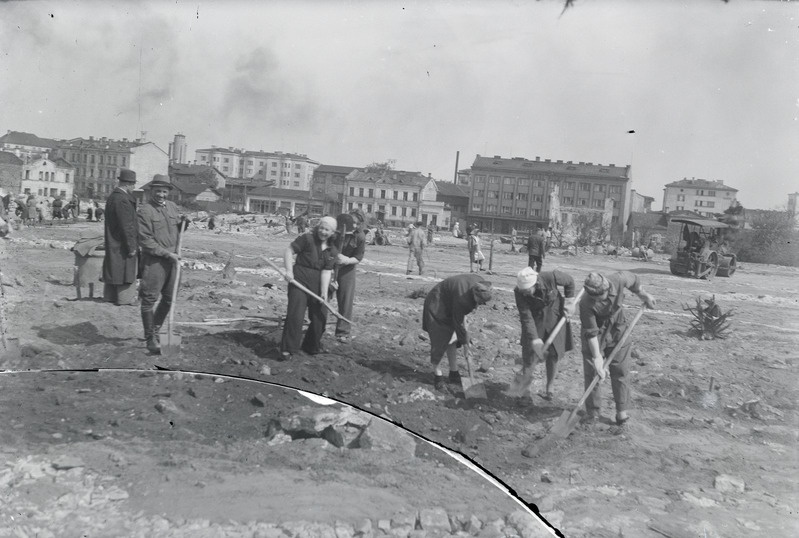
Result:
[691,465]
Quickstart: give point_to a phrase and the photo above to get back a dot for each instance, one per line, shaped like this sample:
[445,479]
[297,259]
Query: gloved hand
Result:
[599,366]
[538,348]
[570,306]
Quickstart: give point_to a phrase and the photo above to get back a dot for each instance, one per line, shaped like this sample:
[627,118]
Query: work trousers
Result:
[157,279]
[345,295]
[529,357]
[299,301]
[619,371]
[535,262]
[418,254]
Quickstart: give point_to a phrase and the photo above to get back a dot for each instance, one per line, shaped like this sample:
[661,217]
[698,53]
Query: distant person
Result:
[120,265]
[57,205]
[456,231]
[536,250]
[513,239]
[211,222]
[416,245]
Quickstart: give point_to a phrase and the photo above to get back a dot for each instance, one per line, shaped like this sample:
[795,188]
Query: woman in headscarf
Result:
[313,268]
[445,309]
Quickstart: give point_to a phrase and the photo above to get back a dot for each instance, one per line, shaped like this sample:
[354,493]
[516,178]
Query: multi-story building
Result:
[699,195]
[288,170]
[518,193]
[10,172]
[456,201]
[395,197]
[27,146]
[328,186]
[266,199]
[48,177]
[97,162]
[178,150]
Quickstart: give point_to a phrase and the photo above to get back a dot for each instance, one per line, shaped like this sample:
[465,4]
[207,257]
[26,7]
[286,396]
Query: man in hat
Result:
[160,223]
[603,323]
[416,242]
[443,317]
[536,250]
[351,245]
[541,306]
[120,263]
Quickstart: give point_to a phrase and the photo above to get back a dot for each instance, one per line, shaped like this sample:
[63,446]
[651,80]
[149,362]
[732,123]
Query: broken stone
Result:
[729,484]
[226,302]
[165,406]
[65,462]
[382,435]
[545,477]
[384,525]
[265,370]
[259,400]
[434,519]
[343,530]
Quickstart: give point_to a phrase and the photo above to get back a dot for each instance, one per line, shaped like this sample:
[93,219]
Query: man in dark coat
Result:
[121,242]
[536,250]
[541,306]
[445,309]
[160,224]
[603,324]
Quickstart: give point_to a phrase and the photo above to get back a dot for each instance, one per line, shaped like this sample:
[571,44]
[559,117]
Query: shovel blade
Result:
[520,385]
[473,391]
[564,425]
[170,346]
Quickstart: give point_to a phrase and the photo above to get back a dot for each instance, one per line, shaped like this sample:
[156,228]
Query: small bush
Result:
[709,322]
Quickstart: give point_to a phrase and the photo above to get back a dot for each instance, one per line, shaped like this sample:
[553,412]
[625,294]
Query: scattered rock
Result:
[226,302]
[265,370]
[63,463]
[434,519]
[729,484]
[545,477]
[259,400]
[165,406]
[382,435]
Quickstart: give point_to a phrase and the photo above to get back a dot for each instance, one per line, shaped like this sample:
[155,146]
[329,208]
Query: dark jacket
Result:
[121,239]
[540,312]
[352,246]
[448,303]
[605,319]
[158,229]
[535,246]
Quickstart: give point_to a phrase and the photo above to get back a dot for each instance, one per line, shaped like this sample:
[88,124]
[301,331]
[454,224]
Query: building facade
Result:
[456,201]
[328,186]
[395,197]
[273,200]
[48,178]
[507,193]
[699,195]
[640,203]
[28,146]
[10,172]
[287,170]
[178,150]
[97,163]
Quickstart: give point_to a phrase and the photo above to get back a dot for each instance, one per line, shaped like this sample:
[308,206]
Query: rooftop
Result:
[9,158]
[447,188]
[27,139]
[547,165]
[390,177]
[276,192]
[333,169]
[717,185]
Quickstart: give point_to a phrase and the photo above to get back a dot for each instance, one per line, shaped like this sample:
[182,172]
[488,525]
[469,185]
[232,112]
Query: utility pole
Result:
[457,156]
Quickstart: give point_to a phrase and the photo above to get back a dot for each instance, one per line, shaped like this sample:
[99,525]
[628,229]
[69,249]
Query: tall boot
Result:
[161,312]
[149,332]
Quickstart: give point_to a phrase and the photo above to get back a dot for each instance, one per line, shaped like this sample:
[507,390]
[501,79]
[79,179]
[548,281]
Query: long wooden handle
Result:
[612,356]
[3,340]
[175,287]
[306,290]
[559,326]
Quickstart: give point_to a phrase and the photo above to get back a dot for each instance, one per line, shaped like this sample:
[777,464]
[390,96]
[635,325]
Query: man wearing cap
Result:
[120,263]
[160,223]
[541,306]
[603,323]
[352,245]
[416,242]
[443,317]
[536,250]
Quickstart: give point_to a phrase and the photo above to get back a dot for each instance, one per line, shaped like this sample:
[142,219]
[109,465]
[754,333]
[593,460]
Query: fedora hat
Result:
[126,176]
[160,180]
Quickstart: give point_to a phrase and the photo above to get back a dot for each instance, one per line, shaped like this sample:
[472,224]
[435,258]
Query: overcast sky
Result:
[711,89]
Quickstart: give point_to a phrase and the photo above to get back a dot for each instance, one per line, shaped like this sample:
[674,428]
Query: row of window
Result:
[506,210]
[43,192]
[204,158]
[46,176]
[396,211]
[384,194]
[285,182]
[583,202]
[510,196]
[101,159]
[567,185]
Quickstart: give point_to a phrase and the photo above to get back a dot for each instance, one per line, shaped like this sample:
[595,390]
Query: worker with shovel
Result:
[603,325]
[313,269]
[160,225]
[541,308]
[352,245]
[445,310]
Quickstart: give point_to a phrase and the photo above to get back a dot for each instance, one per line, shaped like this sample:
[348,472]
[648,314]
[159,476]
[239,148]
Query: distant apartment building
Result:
[10,172]
[701,196]
[395,197]
[328,186]
[48,177]
[272,200]
[27,146]
[507,193]
[287,170]
[456,201]
[97,162]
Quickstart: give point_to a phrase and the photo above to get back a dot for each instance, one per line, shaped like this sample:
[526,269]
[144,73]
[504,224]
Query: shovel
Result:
[472,390]
[567,421]
[9,347]
[520,382]
[173,341]
[293,282]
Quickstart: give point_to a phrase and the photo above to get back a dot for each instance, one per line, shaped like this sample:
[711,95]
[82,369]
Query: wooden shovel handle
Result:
[306,290]
[559,326]
[171,319]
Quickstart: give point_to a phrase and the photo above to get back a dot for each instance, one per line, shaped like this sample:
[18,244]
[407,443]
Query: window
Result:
[490,208]
[224,168]
[249,163]
[711,193]
[226,160]
[91,159]
[538,183]
[41,175]
[537,198]
[479,179]
[477,207]
[615,204]
[582,201]
[27,174]
[297,166]
[521,196]
[507,195]
[274,172]
[700,192]
[509,180]
[352,191]
[296,174]
[123,161]
[568,200]
[396,195]
[536,212]
[585,186]
[67,177]
[478,194]
[614,189]
[202,158]
[493,179]
[393,211]
[710,204]
[381,208]
[101,159]
[360,192]
[284,182]
[416,197]
[413,211]
[368,208]
[404,211]
[382,193]
[599,188]
[274,164]
[85,158]
[296,183]
[599,203]
[493,194]
[520,211]
[506,209]
[405,197]
[614,219]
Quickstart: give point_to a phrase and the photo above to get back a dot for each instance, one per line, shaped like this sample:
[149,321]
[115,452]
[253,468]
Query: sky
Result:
[711,88]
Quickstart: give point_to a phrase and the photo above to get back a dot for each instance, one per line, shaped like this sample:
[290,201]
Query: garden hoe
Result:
[9,347]
[173,341]
[521,382]
[568,420]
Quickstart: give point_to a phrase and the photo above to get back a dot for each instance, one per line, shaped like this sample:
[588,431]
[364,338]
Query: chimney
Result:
[429,174]
[91,138]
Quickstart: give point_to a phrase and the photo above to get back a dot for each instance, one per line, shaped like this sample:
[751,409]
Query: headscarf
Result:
[482,292]
[596,284]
